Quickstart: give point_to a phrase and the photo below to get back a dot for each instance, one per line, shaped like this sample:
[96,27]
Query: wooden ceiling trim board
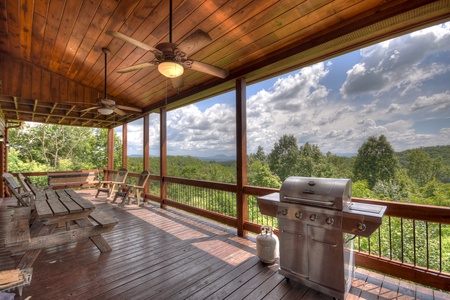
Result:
[77,62]
[26,23]
[26,80]
[92,37]
[37,35]
[4,41]
[75,54]
[51,31]
[63,89]
[41,7]
[13,15]
[36,82]
[70,14]
[87,12]
[121,12]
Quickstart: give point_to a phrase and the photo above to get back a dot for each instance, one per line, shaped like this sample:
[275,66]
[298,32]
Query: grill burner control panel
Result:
[310,215]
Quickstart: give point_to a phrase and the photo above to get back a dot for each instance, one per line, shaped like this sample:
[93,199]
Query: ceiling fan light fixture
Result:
[105,110]
[170,69]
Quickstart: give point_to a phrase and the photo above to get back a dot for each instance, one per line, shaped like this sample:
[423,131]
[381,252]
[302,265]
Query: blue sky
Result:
[399,88]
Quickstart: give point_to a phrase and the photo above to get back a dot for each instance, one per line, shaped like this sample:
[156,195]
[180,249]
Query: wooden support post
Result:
[163,154]
[241,155]
[125,145]
[146,148]
[110,149]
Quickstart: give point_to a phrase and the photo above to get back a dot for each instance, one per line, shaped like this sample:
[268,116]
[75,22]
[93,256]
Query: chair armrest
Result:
[101,182]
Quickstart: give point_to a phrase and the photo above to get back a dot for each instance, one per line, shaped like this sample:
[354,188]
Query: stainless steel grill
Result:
[317,222]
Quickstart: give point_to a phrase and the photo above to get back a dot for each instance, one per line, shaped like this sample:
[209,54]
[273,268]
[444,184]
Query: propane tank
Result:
[267,245]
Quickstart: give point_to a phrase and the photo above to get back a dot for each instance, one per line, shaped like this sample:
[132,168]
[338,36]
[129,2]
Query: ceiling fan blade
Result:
[130,40]
[119,111]
[90,108]
[208,69]
[137,67]
[177,82]
[130,108]
[197,40]
[106,101]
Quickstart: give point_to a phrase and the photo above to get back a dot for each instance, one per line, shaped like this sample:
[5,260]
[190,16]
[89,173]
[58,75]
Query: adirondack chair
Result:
[126,191]
[109,187]
[30,187]
[24,197]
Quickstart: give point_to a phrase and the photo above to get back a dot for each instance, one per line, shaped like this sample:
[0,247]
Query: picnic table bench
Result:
[72,179]
[52,209]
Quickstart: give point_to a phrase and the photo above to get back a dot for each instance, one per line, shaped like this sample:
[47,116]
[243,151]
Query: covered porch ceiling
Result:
[52,64]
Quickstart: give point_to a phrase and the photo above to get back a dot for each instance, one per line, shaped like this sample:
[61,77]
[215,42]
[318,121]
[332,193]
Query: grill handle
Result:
[329,203]
[328,244]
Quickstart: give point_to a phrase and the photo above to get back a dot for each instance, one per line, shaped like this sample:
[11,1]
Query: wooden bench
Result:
[72,180]
[15,226]
[14,231]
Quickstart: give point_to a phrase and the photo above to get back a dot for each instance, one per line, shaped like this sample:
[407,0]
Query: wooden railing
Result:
[411,244]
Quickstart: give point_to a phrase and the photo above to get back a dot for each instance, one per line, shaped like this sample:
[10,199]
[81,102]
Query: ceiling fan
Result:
[171,58]
[107,106]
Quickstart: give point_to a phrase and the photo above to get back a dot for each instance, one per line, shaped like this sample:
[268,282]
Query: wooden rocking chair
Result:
[24,197]
[110,187]
[128,190]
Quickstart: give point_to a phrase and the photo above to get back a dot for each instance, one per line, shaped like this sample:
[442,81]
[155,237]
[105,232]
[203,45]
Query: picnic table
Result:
[59,217]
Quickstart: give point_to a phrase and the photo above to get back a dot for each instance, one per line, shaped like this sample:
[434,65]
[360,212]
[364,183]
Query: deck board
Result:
[166,254]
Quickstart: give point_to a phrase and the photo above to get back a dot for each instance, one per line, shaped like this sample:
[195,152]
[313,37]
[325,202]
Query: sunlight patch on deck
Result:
[169,225]
[224,251]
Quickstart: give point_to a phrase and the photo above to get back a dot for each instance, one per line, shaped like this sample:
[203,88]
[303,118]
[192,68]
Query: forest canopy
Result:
[419,175]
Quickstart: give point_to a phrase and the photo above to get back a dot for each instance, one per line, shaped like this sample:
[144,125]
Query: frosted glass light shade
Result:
[105,110]
[170,69]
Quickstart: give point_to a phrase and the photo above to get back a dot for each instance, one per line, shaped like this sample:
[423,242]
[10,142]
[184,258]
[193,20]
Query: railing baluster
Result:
[414,242]
[440,247]
[402,240]
[427,245]
[379,241]
[390,237]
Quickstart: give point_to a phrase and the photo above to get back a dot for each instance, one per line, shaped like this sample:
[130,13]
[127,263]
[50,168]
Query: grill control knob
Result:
[284,211]
[313,217]
[298,214]
[361,226]
[330,220]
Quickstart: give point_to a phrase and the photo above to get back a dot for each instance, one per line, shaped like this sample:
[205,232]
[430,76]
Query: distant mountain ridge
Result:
[433,152]
[218,158]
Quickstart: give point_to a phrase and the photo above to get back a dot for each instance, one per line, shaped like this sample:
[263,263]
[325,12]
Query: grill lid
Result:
[332,193]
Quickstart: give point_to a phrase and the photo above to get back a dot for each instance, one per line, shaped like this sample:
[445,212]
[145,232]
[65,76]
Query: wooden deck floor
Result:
[166,254]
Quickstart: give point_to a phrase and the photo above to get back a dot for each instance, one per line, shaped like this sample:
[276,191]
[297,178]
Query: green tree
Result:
[420,167]
[46,147]
[284,157]
[375,161]
[260,175]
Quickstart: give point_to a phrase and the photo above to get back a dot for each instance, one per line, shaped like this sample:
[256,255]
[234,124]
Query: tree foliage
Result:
[45,147]
[376,161]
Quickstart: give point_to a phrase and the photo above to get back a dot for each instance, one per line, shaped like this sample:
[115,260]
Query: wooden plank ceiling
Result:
[52,65]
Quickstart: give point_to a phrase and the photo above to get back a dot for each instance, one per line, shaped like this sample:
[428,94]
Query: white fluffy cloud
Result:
[398,88]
